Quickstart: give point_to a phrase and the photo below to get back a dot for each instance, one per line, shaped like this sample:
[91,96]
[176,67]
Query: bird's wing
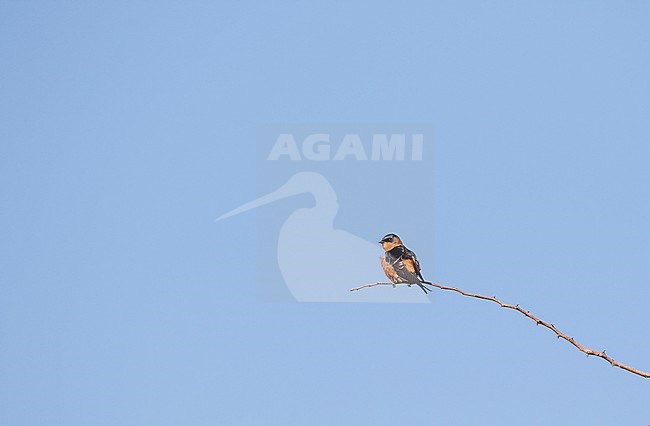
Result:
[405,264]
[411,263]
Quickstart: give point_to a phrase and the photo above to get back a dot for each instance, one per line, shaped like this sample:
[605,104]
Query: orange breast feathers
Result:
[390,271]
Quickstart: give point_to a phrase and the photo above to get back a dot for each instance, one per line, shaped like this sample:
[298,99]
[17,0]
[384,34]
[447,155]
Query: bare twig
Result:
[550,326]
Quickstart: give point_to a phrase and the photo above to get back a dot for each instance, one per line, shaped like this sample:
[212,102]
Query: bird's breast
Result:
[389,268]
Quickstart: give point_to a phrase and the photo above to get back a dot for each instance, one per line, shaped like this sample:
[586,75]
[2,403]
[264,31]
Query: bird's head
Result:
[389,241]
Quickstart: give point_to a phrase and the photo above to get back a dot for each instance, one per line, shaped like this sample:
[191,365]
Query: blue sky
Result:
[127,128]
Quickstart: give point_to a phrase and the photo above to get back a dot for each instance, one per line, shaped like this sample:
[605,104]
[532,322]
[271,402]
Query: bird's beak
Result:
[280,193]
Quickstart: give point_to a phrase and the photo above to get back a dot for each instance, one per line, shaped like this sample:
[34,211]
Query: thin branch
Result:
[550,326]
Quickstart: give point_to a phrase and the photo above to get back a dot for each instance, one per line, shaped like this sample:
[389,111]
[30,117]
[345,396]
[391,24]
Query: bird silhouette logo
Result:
[310,251]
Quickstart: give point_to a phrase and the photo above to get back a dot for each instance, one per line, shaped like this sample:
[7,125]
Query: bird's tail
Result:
[424,288]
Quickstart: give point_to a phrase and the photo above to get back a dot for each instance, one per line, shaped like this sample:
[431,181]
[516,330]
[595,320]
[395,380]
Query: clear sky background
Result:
[128,127]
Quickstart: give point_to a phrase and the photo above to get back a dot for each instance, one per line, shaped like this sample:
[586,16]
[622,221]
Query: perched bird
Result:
[400,264]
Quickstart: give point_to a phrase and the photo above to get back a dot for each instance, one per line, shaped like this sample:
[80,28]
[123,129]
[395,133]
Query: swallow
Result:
[400,264]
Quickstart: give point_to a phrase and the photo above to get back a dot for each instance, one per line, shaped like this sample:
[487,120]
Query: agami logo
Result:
[326,194]
[317,147]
